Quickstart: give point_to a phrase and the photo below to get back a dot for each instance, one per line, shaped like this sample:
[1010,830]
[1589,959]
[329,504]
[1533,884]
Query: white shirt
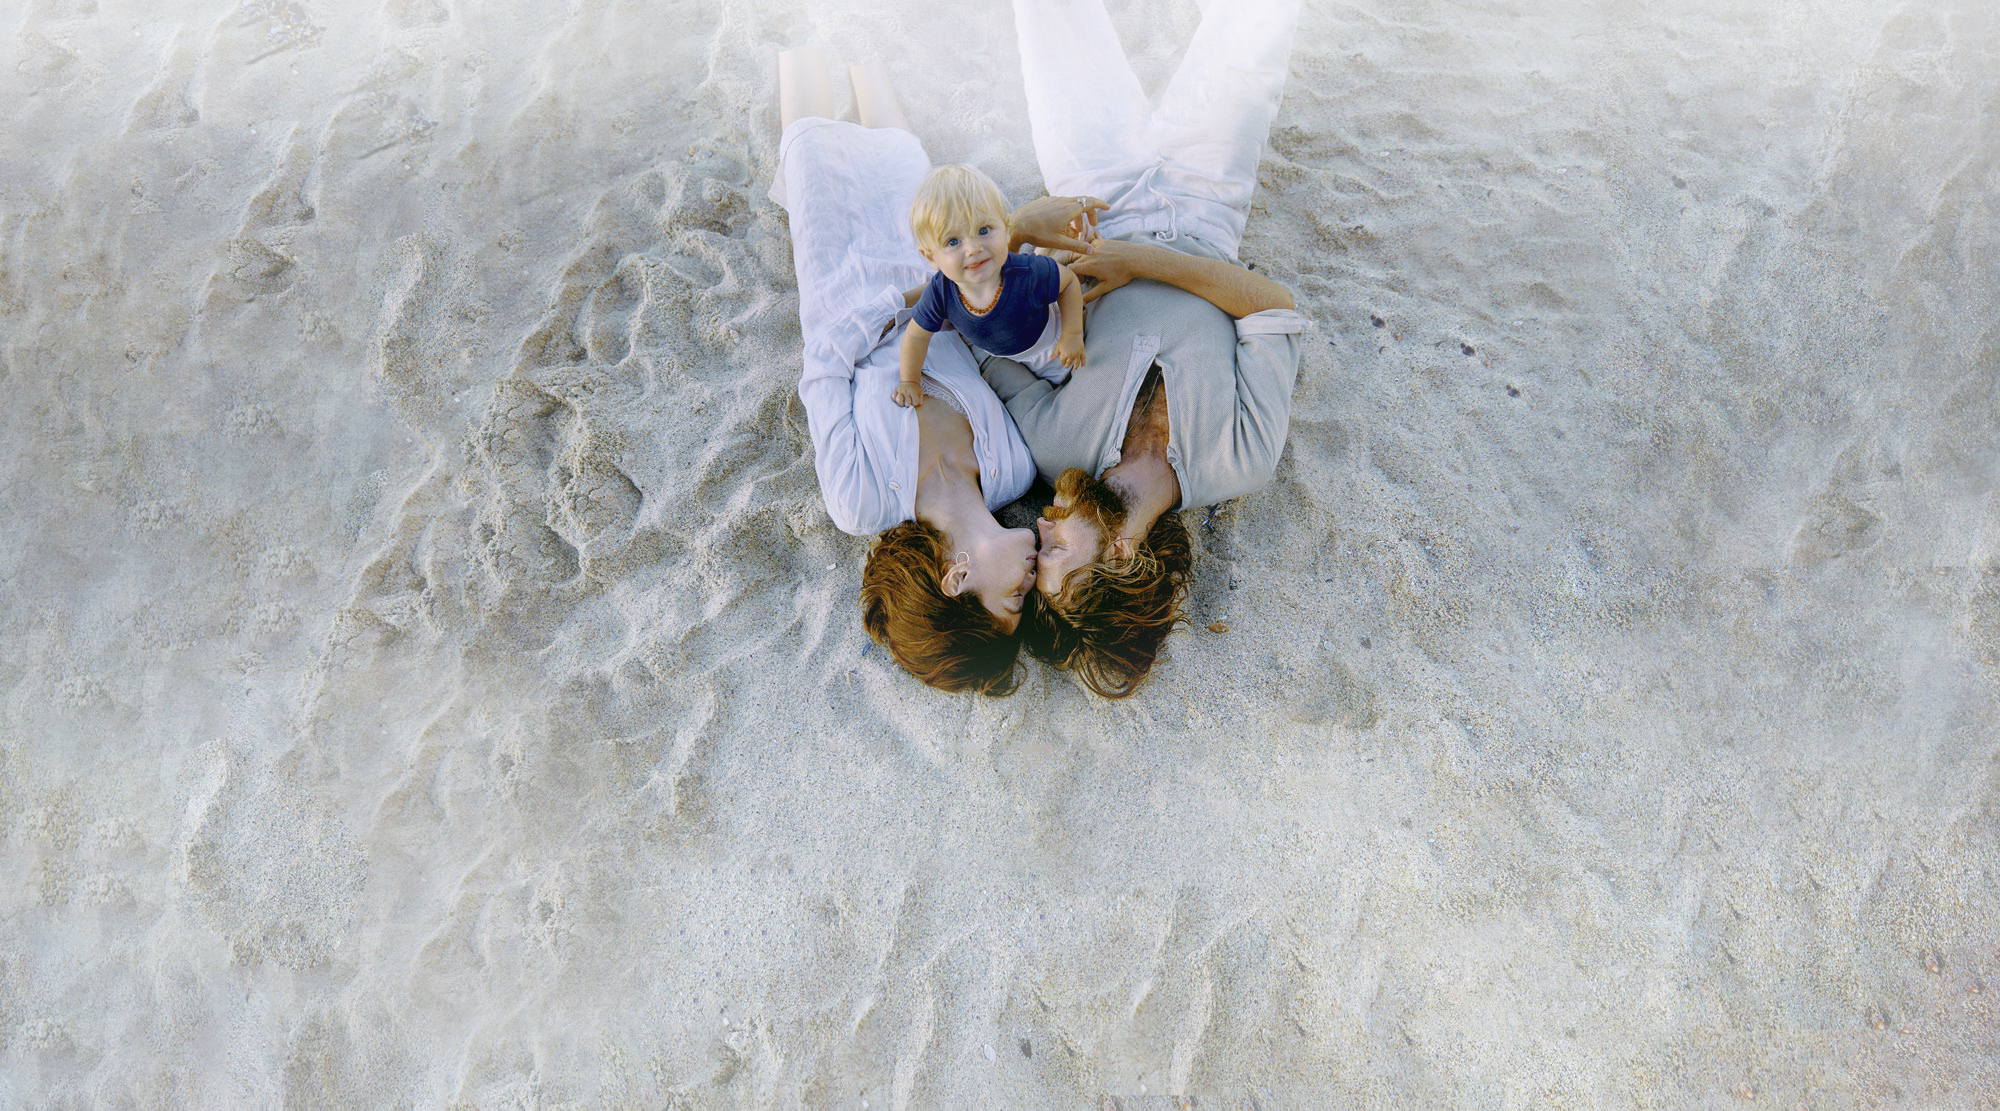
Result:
[865,445]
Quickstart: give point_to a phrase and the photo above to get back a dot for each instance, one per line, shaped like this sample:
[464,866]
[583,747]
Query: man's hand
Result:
[1059,223]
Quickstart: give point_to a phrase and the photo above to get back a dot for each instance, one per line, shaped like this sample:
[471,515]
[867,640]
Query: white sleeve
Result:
[1267,367]
[855,487]
[856,427]
[835,347]
[1271,322]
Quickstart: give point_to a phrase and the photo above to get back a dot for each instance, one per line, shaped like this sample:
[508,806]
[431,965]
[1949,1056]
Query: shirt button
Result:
[894,485]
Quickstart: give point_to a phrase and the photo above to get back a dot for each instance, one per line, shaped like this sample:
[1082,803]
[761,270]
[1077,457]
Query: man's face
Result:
[1068,542]
[1077,530]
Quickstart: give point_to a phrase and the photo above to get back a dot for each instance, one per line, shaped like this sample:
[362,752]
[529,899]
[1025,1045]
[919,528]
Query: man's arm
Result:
[1227,286]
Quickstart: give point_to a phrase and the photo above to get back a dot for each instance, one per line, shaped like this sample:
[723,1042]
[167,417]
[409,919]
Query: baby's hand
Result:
[1069,351]
[909,395]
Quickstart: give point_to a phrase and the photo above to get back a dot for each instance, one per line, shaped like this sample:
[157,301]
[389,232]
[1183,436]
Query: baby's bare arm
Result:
[910,373]
[1069,299]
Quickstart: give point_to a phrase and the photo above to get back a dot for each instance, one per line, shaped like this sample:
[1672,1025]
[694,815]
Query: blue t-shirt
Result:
[1027,284]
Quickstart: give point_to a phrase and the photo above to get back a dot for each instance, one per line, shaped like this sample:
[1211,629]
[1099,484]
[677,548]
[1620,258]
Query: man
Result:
[1184,398]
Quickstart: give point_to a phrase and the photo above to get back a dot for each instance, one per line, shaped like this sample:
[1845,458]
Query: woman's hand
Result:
[1058,223]
[1111,263]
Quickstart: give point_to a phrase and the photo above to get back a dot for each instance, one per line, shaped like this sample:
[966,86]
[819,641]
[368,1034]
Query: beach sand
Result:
[429,678]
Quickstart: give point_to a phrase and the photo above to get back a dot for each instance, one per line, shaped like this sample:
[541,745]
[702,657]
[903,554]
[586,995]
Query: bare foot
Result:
[805,85]
[875,100]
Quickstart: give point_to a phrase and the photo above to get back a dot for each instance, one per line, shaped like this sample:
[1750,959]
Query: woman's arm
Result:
[856,487]
[1227,286]
[1057,223]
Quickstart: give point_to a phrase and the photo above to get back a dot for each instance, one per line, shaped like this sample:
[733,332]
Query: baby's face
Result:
[971,255]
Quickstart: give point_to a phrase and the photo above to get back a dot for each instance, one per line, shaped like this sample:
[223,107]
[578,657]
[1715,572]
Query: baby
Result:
[1025,307]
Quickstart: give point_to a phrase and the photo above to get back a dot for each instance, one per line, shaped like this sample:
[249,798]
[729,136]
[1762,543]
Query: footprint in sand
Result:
[289,198]
[261,28]
[272,871]
[46,63]
[46,11]
[1835,526]
[169,102]
[385,111]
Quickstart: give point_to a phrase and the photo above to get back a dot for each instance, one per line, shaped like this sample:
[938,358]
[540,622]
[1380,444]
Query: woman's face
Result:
[1070,541]
[1001,572]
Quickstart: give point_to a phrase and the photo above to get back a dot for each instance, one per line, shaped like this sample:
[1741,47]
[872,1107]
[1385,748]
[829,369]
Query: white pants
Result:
[1040,356]
[1184,166]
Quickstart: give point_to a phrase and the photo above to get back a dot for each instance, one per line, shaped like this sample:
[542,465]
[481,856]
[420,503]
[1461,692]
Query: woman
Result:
[1185,394]
[944,584]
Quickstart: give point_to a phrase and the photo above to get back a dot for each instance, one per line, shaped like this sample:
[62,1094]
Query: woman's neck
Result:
[953,504]
[948,492]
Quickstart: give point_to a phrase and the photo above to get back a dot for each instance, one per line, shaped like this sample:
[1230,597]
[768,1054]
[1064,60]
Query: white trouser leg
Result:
[847,191]
[1187,166]
[1090,118]
[1212,120]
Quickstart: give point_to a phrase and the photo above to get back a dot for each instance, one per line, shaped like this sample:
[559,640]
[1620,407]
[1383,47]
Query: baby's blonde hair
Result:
[951,197]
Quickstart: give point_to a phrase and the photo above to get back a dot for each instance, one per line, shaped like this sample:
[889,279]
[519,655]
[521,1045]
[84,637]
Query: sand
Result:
[431,679]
